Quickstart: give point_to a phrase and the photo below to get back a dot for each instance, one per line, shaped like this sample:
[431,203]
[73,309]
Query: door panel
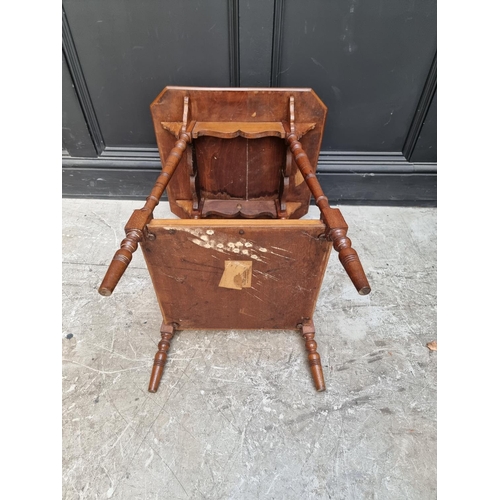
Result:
[426,146]
[367,61]
[129,51]
[75,134]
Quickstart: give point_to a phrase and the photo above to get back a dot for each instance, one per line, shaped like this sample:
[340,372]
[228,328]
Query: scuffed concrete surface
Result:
[236,415]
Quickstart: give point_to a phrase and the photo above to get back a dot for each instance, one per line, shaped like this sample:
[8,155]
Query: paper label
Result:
[237,274]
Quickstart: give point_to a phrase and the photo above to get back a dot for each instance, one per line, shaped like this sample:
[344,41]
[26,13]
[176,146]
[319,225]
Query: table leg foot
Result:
[308,331]
[167,332]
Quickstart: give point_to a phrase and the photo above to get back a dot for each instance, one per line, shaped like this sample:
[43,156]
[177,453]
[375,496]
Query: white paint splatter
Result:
[221,244]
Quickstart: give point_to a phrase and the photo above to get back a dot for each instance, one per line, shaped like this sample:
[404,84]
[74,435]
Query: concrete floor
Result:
[236,415]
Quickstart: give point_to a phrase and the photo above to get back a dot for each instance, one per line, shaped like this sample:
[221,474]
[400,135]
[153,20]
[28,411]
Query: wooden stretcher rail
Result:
[254,223]
[249,130]
[230,130]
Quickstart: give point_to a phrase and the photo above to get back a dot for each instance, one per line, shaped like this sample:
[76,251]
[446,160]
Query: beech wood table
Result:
[239,169]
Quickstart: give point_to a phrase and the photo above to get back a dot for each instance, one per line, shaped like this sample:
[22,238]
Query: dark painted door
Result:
[372,63]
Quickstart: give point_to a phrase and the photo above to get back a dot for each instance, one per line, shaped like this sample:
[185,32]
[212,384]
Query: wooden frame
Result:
[239,179]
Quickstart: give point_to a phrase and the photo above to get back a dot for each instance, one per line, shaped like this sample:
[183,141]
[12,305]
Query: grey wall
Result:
[372,63]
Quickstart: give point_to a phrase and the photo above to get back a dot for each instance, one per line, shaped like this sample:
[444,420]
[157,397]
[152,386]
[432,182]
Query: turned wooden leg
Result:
[307,330]
[335,224]
[167,332]
[350,260]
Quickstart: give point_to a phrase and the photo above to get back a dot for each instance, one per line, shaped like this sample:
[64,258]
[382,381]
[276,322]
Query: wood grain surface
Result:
[188,258]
